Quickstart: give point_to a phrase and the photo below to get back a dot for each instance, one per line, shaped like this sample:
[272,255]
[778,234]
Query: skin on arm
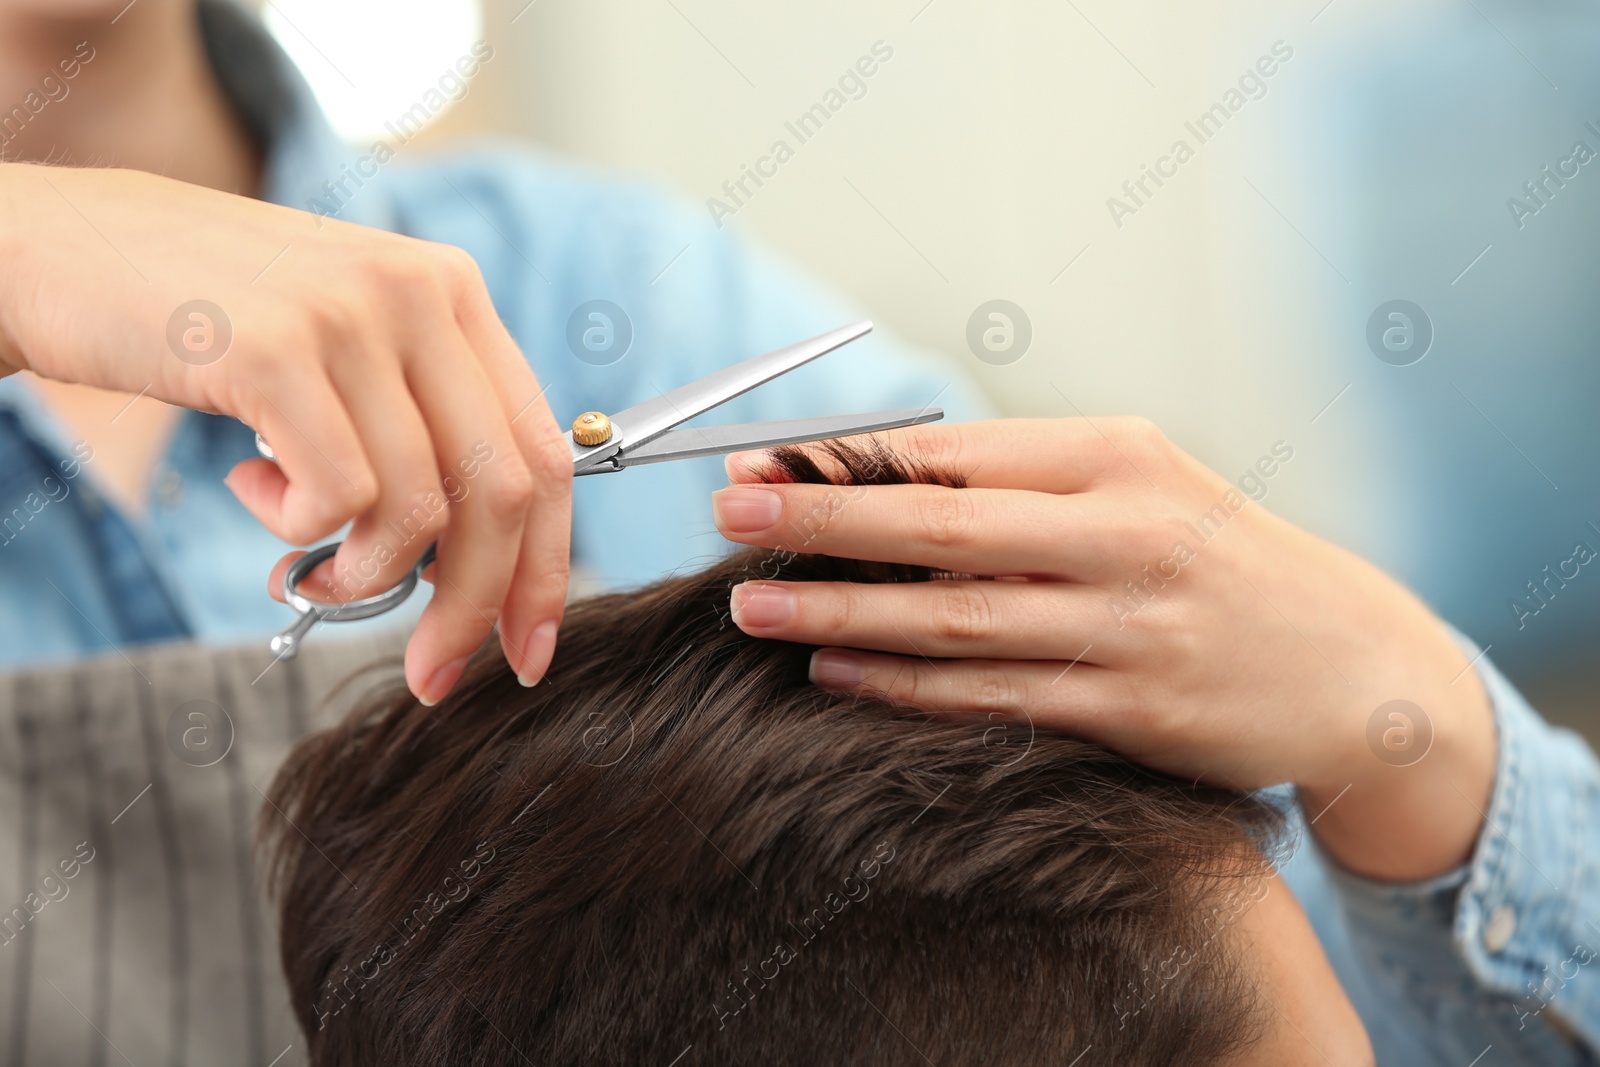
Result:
[1255,656]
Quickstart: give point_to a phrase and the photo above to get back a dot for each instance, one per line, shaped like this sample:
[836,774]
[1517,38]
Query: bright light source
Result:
[372,60]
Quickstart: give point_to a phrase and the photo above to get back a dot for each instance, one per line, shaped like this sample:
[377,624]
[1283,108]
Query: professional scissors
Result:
[650,432]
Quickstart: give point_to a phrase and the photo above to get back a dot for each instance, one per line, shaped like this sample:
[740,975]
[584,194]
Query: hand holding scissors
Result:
[649,432]
[373,362]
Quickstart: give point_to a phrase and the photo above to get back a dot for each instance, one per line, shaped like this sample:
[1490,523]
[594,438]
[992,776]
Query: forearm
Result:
[1505,943]
[1409,821]
[1408,800]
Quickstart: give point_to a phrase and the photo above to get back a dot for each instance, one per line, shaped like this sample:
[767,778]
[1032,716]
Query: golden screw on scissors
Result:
[591,428]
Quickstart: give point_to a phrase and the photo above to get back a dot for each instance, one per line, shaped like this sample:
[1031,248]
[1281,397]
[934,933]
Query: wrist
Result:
[1414,796]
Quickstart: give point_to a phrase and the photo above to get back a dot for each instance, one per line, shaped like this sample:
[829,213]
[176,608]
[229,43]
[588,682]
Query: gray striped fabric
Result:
[132,927]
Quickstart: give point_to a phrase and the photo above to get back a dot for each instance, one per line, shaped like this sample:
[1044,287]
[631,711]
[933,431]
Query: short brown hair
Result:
[675,849]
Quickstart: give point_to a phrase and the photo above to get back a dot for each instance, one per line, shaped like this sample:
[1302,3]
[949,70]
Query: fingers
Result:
[1095,703]
[412,507]
[974,531]
[318,585]
[464,453]
[1011,620]
[1080,698]
[486,515]
[322,477]
[1045,455]
[533,609]
[539,583]
[275,579]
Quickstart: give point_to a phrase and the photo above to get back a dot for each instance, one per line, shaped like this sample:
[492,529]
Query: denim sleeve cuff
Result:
[1514,932]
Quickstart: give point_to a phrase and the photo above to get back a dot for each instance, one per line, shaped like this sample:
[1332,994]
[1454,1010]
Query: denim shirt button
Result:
[1498,930]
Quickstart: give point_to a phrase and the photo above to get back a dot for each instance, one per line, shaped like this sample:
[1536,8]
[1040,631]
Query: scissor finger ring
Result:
[287,644]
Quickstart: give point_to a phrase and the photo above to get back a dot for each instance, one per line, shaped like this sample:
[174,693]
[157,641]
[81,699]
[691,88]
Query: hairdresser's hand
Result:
[1148,605]
[374,364]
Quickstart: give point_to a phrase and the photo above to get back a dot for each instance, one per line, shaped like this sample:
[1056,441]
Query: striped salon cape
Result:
[133,929]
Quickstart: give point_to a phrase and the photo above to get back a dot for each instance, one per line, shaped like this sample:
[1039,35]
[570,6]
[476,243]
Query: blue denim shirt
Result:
[1500,953]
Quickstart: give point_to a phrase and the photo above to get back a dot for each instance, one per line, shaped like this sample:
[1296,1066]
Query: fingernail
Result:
[836,670]
[537,653]
[443,680]
[745,510]
[760,605]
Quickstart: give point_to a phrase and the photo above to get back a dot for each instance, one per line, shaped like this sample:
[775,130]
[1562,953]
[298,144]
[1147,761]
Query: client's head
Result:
[674,849]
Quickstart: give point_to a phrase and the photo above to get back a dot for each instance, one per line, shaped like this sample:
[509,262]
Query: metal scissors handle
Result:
[286,645]
[649,432]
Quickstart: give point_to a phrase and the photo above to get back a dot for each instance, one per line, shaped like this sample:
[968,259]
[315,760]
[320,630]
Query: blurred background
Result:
[1336,157]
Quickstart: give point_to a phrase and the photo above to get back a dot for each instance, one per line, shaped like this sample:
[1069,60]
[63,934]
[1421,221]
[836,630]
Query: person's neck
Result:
[147,100]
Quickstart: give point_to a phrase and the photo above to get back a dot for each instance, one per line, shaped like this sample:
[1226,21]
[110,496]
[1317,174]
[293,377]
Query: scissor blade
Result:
[644,422]
[691,442]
